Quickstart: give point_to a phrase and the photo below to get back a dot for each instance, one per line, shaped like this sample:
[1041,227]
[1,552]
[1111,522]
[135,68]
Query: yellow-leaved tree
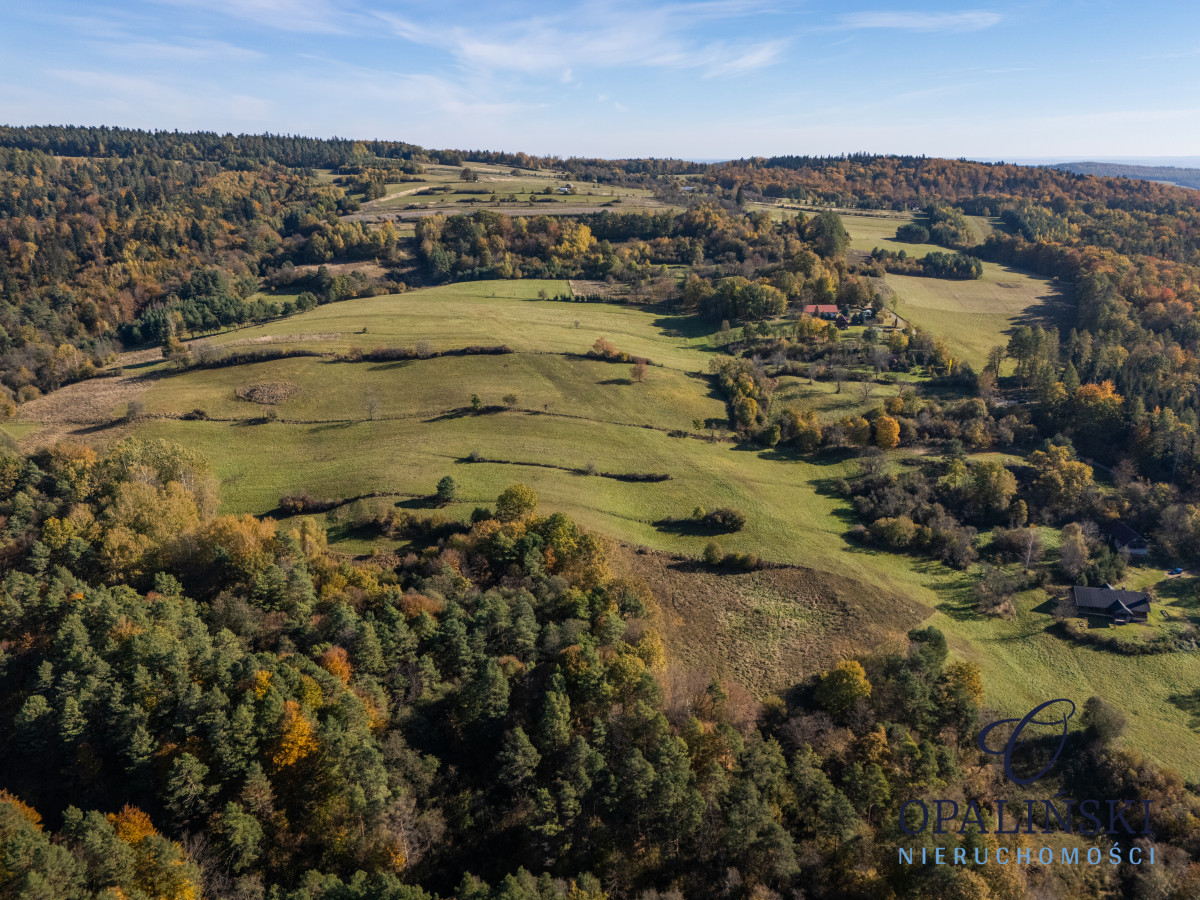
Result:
[297,740]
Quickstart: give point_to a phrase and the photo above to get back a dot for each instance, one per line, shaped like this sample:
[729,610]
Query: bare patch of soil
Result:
[370,269]
[95,401]
[268,392]
[75,411]
[582,287]
[306,338]
[769,629]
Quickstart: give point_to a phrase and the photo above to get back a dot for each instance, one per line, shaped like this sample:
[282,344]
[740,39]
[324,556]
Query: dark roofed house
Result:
[1120,606]
[1125,538]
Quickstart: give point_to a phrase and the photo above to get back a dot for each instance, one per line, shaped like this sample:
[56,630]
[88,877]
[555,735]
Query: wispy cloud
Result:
[310,16]
[177,51]
[148,100]
[913,20]
[752,58]
[406,92]
[589,37]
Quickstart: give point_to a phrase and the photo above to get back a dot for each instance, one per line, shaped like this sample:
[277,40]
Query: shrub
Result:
[913,233]
[724,519]
[301,504]
[712,554]
[747,562]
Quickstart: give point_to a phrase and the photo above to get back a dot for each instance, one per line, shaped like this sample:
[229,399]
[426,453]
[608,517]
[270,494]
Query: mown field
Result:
[487,313]
[352,428]
[971,316]
[974,316]
[441,188]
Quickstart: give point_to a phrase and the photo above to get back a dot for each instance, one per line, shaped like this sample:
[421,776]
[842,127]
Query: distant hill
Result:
[1189,178]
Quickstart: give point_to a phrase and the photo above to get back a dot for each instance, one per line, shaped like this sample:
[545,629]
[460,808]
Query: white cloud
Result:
[911,20]
[609,37]
[311,16]
[180,51]
[155,102]
[752,58]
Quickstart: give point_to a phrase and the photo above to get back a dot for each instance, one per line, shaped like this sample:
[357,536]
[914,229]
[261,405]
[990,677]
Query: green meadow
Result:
[487,313]
[350,428]
[442,188]
[971,316]
[974,316]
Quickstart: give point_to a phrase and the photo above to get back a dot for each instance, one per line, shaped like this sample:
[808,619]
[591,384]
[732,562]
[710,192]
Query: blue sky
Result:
[1069,79]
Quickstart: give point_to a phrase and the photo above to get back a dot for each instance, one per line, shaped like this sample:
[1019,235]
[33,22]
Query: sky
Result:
[1072,79]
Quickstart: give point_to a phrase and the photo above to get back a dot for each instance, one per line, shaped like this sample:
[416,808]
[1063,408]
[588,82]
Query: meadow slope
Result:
[352,428]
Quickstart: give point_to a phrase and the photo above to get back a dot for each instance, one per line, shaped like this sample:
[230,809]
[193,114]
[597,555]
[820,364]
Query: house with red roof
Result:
[821,310]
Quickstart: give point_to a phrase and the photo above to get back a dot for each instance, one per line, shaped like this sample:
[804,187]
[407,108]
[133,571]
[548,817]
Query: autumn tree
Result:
[515,502]
[1061,481]
[1074,555]
[887,432]
[839,689]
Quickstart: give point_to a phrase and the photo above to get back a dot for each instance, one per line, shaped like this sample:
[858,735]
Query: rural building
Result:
[1120,606]
[841,321]
[862,316]
[1125,538]
[821,310]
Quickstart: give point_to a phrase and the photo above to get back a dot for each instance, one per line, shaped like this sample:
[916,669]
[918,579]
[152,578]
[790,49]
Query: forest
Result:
[266,720]
[200,704]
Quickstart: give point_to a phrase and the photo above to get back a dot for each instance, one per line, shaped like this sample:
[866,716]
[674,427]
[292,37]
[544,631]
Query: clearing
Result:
[971,316]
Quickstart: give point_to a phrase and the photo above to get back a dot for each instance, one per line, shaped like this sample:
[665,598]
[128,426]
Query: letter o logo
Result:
[1014,740]
[924,817]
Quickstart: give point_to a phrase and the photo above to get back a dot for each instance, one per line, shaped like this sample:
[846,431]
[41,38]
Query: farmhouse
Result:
[821,310]
[1125,538]
[1120,606]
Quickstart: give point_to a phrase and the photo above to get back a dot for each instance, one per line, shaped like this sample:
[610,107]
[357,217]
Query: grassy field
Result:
[331,391]
[974,316]
[488,313]
[573,412]
[823,396]
[971,316]
[442,188]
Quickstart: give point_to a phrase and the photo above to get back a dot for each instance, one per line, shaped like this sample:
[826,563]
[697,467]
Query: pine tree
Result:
[187,794]
[555,725]
[518,760]
[241,834]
